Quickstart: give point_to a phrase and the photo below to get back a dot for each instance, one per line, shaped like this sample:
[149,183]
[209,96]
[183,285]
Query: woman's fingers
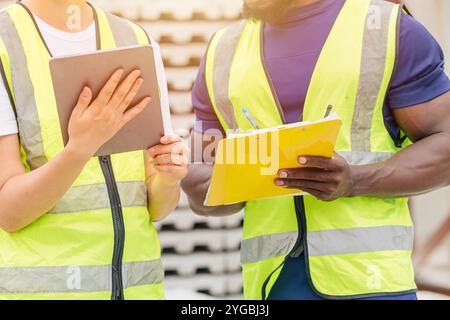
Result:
[170,159]
[109,88]
[175,148]
[172,169]
[131,113]
[171,139]
[126,102]
[124,88]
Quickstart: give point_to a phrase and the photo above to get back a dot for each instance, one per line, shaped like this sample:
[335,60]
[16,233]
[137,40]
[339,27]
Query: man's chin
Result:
[270,14]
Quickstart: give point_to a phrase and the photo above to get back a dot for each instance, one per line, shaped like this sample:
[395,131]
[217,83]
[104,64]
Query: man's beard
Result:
[273,12]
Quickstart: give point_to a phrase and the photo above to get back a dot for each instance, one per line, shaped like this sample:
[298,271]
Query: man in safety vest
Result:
[383,73]
[73,226]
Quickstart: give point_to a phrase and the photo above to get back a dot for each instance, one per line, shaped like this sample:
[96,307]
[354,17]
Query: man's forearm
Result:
[196,185]
[420,168]
[25,198]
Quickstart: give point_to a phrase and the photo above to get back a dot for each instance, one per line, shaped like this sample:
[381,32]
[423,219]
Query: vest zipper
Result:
[300,213]
[298,246]
[119,228]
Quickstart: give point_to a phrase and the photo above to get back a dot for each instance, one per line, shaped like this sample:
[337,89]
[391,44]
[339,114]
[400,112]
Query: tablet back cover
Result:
[70,74]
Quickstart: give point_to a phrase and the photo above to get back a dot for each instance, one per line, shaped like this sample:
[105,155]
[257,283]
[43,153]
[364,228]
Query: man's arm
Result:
[419,168]
[197,182]
[205,137]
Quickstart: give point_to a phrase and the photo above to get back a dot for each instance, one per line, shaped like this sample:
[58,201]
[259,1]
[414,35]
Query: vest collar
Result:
[97,27]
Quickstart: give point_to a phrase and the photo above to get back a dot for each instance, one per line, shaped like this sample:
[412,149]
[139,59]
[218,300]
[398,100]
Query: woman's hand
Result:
[95,122]
[166,167]
[169,159]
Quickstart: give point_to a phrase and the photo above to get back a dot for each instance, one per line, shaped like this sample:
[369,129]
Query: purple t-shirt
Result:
[291,51]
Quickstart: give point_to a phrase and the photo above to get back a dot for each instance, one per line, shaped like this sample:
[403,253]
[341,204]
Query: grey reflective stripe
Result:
[95,197]
[362,158]
[267,246]
[77,279]
[223,61]
[360,240]
[373,62]
[123,33]
[26,108]
[142,273]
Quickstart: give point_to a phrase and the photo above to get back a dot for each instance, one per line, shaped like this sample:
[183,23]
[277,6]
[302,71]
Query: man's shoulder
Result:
[418,48]
[420,74]
[413,33]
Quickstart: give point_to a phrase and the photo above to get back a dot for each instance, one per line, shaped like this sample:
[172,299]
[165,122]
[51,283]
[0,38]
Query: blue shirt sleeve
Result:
[420,75]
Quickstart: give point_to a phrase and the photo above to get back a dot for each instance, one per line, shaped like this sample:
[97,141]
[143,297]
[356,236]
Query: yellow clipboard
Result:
[247,164]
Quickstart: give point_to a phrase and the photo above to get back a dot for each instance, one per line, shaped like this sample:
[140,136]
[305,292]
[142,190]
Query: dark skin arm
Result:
[197,182]
[419,168]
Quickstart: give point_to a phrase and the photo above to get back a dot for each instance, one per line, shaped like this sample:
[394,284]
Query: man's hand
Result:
[325,179]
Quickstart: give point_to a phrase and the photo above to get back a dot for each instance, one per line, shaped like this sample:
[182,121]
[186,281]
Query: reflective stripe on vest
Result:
[30,135]
[267,246]
[373,61]
[222,66]
[66,279]
[78,199]
[329,242]
[360,240]
[358,158]
[123,33]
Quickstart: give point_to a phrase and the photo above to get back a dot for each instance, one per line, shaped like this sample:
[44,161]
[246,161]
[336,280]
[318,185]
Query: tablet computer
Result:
[70,74]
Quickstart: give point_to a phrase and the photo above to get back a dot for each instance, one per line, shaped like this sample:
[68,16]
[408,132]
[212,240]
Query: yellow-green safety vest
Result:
[98,242]
[354,247]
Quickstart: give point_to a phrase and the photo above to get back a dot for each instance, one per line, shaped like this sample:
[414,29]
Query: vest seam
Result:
[269,79]
[98,41]
[398,141]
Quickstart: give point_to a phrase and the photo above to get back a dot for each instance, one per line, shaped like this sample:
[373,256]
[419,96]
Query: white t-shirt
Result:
[62,43]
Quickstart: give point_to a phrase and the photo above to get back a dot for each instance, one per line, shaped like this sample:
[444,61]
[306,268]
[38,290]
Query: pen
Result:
[329,109]
[250,118]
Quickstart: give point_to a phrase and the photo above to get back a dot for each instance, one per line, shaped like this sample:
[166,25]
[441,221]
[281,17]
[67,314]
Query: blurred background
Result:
[201,256]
